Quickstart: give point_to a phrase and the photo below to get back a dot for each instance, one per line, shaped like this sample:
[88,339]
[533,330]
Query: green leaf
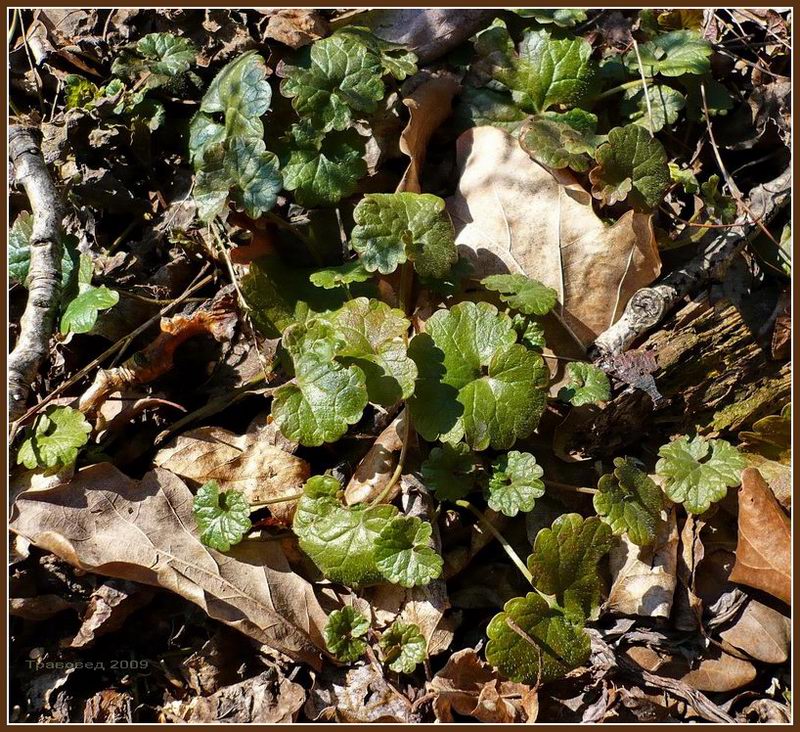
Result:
[340,540]
[223,517]
[81,312]
[54,439]
[685,177]
[404,647]
[531,643]
[79,93]
[330,278]
[562,17]
[336,76]
[242,94]
[160,56]
[587,384]
[630,502]
[698,472]
[672,54]
[392,228]
[212,183]
[529,330]
[451,471]
[396,59]
[325,398]
[561,140]
[255,173]
[720,207]
[771,436]
[343,634]
[479,106]
[19,251]
[666,104]
[564,563]
[452,282]
[374,339]
[474,381]
[403,554]
[322,171]
[718,99]
[515,483]
[544,73]
[522,293]
[631,165]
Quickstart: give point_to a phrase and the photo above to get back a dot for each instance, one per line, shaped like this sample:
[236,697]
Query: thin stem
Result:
[646,92]
[512,555]
[622,87]
[272,501]
[400,462]
[347,291]
[570,488]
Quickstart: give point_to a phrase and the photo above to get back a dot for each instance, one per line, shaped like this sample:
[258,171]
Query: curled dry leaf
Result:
[764,549]
[513,215]
[104,522]
[429,104]
[296,27]
[644,578]
[247,463]
[470,687]
[376,467]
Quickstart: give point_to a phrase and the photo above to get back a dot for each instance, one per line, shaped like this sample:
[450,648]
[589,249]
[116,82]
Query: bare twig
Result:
[44,272]
[648,306]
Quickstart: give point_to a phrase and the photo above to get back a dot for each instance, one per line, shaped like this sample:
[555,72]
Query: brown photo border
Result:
[378,4]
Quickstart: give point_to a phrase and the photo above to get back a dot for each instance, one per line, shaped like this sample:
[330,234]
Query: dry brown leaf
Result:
[763,553]
[470,687]
[357,695]
[108,706]
[644,578]
[296,27]
[40,607]
[429,104]
[761,632]
[246,463]
[264,699]
[376,467]
[513,215]
[108,608]
[144,531]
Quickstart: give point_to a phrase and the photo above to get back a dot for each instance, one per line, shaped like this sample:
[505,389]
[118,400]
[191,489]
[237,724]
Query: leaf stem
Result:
[512,555]
[570,488]
[622,87]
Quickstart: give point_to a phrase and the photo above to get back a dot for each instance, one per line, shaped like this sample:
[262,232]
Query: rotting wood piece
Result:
[712,375]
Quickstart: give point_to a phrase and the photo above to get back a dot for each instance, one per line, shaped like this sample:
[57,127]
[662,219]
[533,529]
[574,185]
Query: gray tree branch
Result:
[648,306]
[44,273]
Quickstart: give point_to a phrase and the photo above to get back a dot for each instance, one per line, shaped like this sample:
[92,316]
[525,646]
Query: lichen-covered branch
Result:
[648,306]
[44,273]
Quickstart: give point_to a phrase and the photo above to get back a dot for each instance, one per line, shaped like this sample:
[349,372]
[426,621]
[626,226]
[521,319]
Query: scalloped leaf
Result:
[474,381]
[374,338]
[404,647]
[403,553]
[343,634]
[562,17]
[451,471]
[515,483]
[532,643]
[321,171]
[630,502]
[339,539]
[564,563]
[330,278]
[666,104]
[223,517]
[54,439]
[587,384]
[522,293]
[333,78]
[562,140]
[672,54]
[698,472]
[392,228]
[155,59]
[630,165]
[82,310]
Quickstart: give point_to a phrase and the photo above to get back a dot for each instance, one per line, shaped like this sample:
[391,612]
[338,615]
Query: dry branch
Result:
[648,306]
[44,273]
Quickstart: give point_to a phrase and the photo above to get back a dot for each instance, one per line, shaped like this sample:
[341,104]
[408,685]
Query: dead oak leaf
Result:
[764,549]
[104,522]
